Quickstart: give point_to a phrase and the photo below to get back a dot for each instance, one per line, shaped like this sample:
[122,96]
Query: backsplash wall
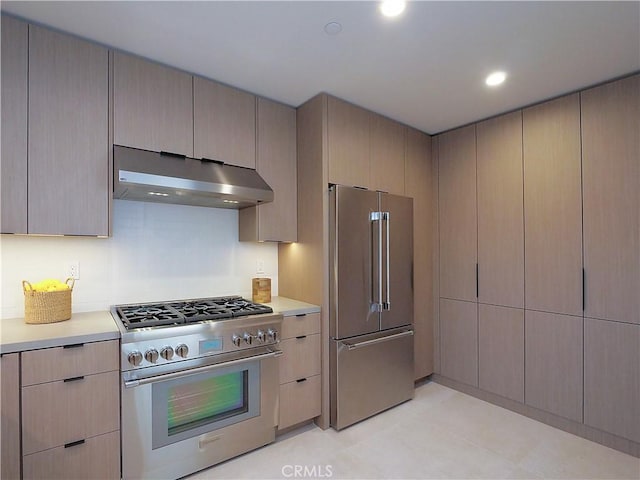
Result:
[157,252]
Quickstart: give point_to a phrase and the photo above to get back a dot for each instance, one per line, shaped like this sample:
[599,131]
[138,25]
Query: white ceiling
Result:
[425,68]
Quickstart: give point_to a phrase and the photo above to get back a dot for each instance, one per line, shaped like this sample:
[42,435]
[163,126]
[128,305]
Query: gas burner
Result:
[187,311]
[201,310]
[137,316]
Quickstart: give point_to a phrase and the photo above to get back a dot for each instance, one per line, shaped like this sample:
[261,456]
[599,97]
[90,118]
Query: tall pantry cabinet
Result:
[500,256]
[553,256]
[611,199]
[553,327]
[419,179]
[481,255]
[458,254]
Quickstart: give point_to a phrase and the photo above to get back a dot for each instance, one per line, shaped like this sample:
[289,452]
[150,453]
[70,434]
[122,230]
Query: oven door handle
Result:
[205,368]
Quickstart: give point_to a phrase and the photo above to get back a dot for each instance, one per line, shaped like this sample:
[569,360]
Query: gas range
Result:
[199,383]
[161,333]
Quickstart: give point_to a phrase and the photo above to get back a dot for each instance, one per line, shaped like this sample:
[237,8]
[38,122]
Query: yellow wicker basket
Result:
[47,307]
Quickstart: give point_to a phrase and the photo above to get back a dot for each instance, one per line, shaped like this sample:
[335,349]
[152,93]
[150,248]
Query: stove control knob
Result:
[135,358]
[151,355]
[236,340]
[272,334]
[182,350]
[248,338]
[261,336]
[166,353]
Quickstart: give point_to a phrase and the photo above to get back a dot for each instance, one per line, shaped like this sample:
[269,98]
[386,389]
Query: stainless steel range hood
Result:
[166,178]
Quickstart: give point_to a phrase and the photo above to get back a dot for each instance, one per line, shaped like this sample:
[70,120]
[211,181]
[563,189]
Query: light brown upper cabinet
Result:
[349,145]
[364,149]
[419,185]
[500,211]
[277,220]
[457,213]
[553,206]
[611,196]
[387,169]
[152,106]
[224,123]
[68,148]
[14,126]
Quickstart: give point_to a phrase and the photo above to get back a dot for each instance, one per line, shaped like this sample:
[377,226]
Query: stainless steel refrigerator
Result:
[371,303]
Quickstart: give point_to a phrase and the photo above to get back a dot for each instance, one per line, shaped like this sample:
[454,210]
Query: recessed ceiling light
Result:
[392,8]
[495,78]
[333,28]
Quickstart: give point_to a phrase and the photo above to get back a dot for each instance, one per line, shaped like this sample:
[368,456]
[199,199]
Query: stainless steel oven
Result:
[197,394]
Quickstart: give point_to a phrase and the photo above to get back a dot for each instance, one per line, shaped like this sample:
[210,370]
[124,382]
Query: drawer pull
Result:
[301,315]
[299,337]
[73,444]
[73,379]
[74,345]
[300,380]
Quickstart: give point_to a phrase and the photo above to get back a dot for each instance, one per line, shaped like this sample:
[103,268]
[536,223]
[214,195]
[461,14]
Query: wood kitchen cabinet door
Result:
[611,198]
[97,458]
[152,106]
[348,144]
[224,122]
[277,220]
[418,185]
[68,148]
[501,351]
[612,377]
[459,341]
[553,206]
[457,213]
[10,413]
[61,412]
[554,363]
[13,166]
[500,211]
[387,161]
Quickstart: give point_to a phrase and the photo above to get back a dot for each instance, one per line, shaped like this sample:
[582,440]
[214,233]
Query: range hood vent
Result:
[166,178]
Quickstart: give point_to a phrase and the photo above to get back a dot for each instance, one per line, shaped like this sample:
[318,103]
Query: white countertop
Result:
[17,336]
[289,307]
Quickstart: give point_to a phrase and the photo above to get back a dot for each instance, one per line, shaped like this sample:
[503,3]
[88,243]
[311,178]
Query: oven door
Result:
[178,422]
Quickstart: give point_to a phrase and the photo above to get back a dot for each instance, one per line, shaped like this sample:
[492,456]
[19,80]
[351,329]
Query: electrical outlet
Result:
[260,266]
[73,270]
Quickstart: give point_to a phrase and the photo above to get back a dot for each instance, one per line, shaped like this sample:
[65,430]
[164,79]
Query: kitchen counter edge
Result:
[290,307]
[83,327]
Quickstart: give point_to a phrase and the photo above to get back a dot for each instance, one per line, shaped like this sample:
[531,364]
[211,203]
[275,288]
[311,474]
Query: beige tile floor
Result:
[440,434]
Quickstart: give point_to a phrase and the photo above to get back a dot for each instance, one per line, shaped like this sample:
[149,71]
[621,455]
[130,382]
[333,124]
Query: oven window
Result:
[194,404]
[212,399]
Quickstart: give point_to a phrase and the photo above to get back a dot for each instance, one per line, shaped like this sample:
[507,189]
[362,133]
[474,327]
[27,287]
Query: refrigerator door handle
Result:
[366,343]
[386,217]
[376,217]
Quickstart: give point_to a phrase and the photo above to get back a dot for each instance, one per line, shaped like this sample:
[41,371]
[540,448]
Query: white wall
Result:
[157,252]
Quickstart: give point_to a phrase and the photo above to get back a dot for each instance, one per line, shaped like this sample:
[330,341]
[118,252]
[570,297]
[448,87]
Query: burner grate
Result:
[187,311]
[153,315]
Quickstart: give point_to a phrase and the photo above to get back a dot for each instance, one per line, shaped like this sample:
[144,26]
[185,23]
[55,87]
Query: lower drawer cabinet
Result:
[300,359]
[62,412]
[299,401]
[96,457]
